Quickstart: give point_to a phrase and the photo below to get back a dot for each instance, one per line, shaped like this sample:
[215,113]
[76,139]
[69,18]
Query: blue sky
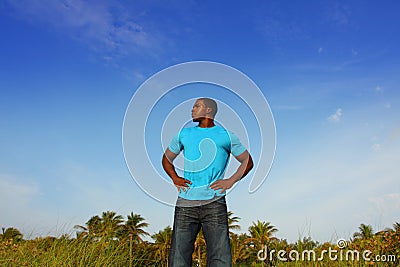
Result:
[329,70]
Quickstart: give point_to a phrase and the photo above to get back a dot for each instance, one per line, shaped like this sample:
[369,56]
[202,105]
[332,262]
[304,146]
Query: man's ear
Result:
[208,110]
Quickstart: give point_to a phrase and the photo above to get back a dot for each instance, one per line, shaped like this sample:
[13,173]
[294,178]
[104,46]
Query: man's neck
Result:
[206,123]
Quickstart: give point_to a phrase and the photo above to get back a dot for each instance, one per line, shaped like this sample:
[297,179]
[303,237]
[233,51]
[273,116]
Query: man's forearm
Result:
[246,164]
[243,169]
[169,168]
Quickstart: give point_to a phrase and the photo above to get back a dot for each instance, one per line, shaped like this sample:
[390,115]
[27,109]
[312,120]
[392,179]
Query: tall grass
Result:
[73,252]
[101,250]
[50,251]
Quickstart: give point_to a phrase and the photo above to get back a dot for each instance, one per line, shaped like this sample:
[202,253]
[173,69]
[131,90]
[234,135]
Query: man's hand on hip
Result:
[181,183]
[222,185]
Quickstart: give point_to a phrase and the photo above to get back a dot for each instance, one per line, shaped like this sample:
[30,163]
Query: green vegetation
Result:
[110,240]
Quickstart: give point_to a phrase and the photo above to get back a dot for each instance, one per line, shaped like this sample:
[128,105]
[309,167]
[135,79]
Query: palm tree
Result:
[396,227]
[199,246]
[306,244]
[111,225]
[11,234]
[94,225]
[261,233]
[92,228]
[239,248]
[163,244]
[365,232]
[232,223]
[133,228]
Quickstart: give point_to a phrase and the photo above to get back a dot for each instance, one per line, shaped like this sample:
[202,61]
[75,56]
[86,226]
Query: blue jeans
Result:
[213,218]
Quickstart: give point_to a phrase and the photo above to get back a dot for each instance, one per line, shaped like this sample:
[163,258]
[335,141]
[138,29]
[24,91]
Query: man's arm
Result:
[167,163]
[246,164]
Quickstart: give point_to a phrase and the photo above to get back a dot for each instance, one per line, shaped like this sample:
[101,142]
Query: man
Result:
[201,200]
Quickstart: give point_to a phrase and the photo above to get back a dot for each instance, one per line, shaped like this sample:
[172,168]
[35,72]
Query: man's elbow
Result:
[167,159]
[250,163]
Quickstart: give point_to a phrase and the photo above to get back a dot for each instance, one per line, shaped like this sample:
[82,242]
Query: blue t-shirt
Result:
[206,154]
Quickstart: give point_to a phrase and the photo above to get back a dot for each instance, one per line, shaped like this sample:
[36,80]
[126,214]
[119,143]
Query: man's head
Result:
[204,108]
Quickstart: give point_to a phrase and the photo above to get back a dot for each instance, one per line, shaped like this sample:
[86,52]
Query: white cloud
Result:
[138,76]
[16,200]
[13,191]
[339,15]
[103,26]
[320,50]
[376,147]
[336,117]
[388,105]
[386,205]
[379,88]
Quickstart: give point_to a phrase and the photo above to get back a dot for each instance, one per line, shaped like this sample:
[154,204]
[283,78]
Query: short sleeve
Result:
[175,146]
[236,147]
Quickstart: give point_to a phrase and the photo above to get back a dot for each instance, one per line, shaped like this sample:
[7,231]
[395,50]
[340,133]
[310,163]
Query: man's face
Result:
[199,111]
